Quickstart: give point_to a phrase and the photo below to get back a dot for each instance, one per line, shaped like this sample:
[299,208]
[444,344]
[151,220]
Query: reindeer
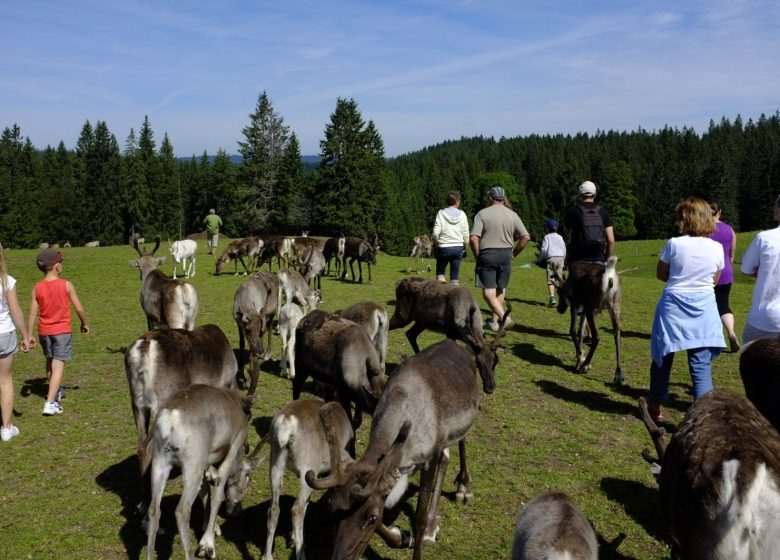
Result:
[371,316]
[181,251]
[236,251]
[360,250]
[447,308]
[422,249]
[289,317]
[334,247]
[274,246]
[592,286]
[254,307]
[429,404]
[312,264]
[165,301]
[202,429]
[160,363]
[299,444]
[296,289]
[719,480]
[301,244]
[551,527]
[339,353]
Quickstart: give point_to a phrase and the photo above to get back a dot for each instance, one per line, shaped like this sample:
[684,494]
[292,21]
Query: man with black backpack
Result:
[589,228]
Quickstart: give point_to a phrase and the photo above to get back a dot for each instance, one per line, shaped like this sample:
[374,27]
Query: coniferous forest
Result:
[102,190]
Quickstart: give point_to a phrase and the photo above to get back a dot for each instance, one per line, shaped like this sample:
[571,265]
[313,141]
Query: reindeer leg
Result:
[576,336]
[412,335]
[422,532]
[594,338]
[240,379]
[463,495]
[618,379]
[298,515]
[277,479]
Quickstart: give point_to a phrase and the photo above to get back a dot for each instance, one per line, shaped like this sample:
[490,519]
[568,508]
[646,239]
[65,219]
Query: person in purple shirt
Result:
[724,234]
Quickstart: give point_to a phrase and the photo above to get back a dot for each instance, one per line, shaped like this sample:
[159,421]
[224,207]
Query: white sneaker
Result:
[6,434]
[509,323]
[490,325]
[52,408]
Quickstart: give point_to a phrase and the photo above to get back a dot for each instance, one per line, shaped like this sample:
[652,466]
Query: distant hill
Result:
[235,159]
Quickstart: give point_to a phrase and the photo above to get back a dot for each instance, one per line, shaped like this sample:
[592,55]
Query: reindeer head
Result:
[486,356]
[146,261]
[363,487]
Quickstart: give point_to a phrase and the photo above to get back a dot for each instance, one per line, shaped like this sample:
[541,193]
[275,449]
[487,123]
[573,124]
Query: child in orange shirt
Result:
[52,297]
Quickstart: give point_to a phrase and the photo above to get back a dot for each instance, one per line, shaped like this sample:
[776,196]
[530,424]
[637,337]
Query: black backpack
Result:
[593,232]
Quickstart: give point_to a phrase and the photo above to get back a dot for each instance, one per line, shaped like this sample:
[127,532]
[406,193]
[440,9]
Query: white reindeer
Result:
[289,317]
[181,251]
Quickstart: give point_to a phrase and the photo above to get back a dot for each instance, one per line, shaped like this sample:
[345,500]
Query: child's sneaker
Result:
[552,302]
[491,325]
[52,408]
[6,434]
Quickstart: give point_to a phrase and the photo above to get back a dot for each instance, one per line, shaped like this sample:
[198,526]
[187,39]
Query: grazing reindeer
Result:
[254,307]
[429,404]
[334,247]
[447,308]
[92,244]
[360,250]
[202,429]
[289,317]
[551,527]
[165,301]
[719,480]
[338,352]
[312,264]
[160,363]
[299,444]
[593,286]
[371,316]
[236,250]
[274,246]
[296,289]
[181,251]
[422,249]
[300,245]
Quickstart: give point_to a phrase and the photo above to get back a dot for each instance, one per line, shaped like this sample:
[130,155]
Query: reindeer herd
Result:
[719,478]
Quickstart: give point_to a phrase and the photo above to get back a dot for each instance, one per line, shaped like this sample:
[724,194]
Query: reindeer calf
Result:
[295,288]
[289,317]
[299,444]
[199,427]
[592,286]
[181,251]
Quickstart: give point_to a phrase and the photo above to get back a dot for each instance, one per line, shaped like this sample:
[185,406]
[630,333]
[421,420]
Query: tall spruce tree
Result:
[265,140]
[350,188]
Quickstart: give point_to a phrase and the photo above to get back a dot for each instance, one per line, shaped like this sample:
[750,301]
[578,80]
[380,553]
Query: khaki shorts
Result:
[554,266]
[8,344]
[213,240]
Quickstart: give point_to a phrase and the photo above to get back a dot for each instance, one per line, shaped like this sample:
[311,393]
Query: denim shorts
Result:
[57,346]
[8,345]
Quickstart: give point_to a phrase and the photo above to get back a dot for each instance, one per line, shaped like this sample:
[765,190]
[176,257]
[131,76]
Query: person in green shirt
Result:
[213,222]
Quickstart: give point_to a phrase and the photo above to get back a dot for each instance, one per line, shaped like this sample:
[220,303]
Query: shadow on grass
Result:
[40,386]
[591,400]
[123,479]
[531,354]
[544,333]
[640,502]
[531,302]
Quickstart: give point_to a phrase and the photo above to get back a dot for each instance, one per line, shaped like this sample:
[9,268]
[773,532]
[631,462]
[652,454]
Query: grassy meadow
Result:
[69,484]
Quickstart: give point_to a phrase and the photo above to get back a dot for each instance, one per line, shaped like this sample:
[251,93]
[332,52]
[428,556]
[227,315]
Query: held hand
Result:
[31,343]
[85,328]
[25,345]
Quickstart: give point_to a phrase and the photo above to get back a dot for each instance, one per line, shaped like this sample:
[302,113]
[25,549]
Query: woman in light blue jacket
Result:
[451,234]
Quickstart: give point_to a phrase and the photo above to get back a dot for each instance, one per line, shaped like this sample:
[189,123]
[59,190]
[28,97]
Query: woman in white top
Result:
[451,234]
[762,260]
[686,317]
[10,316]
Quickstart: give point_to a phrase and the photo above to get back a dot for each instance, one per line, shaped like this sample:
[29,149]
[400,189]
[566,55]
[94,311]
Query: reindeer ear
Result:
[161,260]
[133,263]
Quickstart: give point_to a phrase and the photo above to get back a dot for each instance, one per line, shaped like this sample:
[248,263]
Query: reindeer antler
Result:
[497,339]
[337,476]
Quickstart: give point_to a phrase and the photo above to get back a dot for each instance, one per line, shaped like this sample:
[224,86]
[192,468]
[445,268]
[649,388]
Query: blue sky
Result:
[424,72]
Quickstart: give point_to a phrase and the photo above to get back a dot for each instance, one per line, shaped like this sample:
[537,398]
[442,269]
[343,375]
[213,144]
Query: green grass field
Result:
[69,485]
